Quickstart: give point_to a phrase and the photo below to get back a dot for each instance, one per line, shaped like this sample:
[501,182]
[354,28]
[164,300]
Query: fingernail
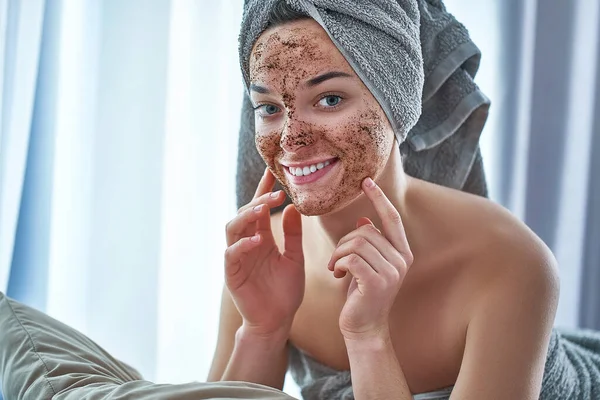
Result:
[369,183]
[275,194]
[255,239]
[258,208]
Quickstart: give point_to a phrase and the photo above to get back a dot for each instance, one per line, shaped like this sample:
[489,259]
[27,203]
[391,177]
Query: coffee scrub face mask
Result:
[318,127]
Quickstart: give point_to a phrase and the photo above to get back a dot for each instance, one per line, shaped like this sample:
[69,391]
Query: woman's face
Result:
[318,127]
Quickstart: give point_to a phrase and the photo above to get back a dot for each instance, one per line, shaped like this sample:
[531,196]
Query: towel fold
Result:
[572,371]
[572,366]
[419,64]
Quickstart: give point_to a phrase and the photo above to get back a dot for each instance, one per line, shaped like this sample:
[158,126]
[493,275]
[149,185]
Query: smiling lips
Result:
[308,169]
[309,172]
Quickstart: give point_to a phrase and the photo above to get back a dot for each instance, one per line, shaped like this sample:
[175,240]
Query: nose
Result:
[295,135]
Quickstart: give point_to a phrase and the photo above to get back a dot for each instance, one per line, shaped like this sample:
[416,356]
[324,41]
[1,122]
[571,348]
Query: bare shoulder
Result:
[509,260]
[502,254]
[514,289]
[514,262]
[511,255]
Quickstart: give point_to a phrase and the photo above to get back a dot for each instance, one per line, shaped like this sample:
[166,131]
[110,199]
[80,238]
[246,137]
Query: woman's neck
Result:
[393,181]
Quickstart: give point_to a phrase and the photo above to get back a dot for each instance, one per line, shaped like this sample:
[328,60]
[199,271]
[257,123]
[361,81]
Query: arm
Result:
[378,261]
[508,335]
[229,322]
[376,372]
[243,356]
[258,359]
[240,356]
[264,288]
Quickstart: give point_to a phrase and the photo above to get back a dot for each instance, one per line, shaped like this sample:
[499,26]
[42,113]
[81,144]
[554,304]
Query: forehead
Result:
[302,46]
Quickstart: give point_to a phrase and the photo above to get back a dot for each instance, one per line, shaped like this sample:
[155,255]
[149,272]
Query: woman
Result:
[413,287]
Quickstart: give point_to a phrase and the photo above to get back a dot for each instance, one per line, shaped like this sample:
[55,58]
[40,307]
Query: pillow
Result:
[42,358]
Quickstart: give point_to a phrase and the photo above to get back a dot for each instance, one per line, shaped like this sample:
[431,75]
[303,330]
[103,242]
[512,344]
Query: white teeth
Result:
[309,169]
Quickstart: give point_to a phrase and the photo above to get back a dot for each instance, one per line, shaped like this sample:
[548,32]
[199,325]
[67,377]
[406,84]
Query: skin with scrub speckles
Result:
[356,132]
[407,285]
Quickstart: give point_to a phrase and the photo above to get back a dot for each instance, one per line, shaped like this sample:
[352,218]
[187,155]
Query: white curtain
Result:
[198,196]
[143,180]
[133,102]
[20,42]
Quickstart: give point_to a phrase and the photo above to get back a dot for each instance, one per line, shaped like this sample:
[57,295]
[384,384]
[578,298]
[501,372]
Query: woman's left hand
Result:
[378,262]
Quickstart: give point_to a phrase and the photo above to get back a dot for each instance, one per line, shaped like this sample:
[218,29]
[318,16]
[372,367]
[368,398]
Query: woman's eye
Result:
[267,109]
[330,101]
[271,109]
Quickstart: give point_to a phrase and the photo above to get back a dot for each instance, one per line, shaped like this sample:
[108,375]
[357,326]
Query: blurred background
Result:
[118,149]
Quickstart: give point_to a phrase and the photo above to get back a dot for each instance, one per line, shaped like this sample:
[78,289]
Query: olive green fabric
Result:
[42,358]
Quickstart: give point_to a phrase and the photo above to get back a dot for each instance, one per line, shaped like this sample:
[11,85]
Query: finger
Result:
[370,233]
[365,250]
[263,223]
[393,229]
[240,224]
[357,267]
[271,199]
[292,234]
[266,183]
[237,251]
[363,221]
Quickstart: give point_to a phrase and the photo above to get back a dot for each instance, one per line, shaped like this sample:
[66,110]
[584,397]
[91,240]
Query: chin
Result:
[312,210]
[314,205]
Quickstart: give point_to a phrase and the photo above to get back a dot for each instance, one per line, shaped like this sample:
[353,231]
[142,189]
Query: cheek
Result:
[368,142]
[267,144]
[380,137]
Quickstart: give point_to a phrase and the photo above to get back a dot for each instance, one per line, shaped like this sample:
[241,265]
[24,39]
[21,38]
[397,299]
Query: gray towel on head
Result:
[418,62]
[572,371]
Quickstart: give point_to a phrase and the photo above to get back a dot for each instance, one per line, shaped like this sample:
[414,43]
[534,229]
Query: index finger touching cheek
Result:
[266,183]
[393,229]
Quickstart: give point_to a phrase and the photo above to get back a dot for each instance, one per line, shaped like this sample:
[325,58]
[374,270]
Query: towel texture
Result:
[572,366]
[572,371]
[417,61]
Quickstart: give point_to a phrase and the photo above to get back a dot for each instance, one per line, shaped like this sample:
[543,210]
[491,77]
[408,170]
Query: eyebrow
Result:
[259,89]
[311,83]
[325,77]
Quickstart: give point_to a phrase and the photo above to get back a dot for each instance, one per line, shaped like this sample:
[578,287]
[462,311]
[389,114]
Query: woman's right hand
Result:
[266,285]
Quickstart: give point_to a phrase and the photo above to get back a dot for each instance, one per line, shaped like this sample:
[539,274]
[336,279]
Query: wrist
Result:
[258,337]
[375,369]
[373,349]
[258,358]
[373,336]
